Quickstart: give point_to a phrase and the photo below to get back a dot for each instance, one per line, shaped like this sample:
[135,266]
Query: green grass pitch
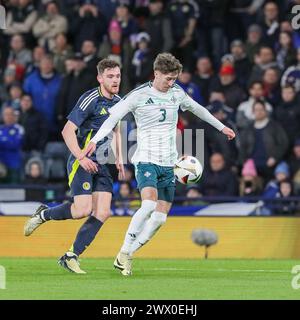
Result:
[31,278]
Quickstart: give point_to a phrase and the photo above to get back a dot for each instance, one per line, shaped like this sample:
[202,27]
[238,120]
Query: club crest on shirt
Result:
[86,186]
[147,174]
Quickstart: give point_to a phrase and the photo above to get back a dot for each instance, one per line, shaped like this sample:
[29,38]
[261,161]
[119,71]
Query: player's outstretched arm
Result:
[229,133]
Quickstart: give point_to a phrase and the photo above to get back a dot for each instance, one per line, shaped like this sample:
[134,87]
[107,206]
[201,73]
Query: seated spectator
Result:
[219,96]
[288,113]
[285,207]
[281,173]
[216,142]
[123,198]
[37,55]
[15,94]
[218,180]
[245,114]
[294,163]
[49,25]
[250,183]
[186,83]
[285,53]
[89,56]
[271,84]
[203,77]
[43,86]
[61,52]
[141,64]
[254,41]
[291,76]
[11,138]
[21,17]
[19,55]
[34,170]
[263,60]
[242,64]
[227,83]
[77,80]
[193,194]
[264,141]
[35,127]
[9,78]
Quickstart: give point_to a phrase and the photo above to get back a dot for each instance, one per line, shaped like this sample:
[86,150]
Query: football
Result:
[188,170]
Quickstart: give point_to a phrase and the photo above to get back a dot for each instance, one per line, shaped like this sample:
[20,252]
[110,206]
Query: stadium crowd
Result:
[241,60]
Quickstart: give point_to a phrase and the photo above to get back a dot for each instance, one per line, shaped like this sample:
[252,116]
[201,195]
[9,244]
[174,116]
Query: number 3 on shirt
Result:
[163,113]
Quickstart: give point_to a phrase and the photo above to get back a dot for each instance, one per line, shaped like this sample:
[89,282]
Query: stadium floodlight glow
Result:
[204,237]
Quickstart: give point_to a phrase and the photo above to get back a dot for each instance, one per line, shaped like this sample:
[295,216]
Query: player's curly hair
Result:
[106,64]
[167,63]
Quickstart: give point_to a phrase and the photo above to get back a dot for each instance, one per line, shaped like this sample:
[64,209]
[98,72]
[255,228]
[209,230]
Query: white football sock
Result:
[137,223]
[156,220]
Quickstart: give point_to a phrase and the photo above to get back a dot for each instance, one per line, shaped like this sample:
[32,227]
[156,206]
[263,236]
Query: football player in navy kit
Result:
[89,179]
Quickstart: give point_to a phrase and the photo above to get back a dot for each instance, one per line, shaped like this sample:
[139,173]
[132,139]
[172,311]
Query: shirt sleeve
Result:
[189,104]
[81,111]
[117,112]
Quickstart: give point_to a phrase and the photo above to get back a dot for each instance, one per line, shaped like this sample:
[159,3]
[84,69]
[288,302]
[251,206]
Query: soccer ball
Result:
[188,170]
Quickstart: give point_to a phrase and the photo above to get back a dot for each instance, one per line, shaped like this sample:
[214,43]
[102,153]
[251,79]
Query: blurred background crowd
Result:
[241,60]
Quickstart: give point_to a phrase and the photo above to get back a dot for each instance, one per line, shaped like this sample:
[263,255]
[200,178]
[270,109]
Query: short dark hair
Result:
[167,63]
[106,64]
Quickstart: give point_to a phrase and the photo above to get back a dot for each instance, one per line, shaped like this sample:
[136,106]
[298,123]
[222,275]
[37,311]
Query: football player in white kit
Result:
[155,108]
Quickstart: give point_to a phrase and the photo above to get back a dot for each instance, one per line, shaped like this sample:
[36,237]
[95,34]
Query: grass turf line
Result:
[32,278]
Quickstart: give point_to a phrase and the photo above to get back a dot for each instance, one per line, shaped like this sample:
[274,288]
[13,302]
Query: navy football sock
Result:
[86,234]
[61,212]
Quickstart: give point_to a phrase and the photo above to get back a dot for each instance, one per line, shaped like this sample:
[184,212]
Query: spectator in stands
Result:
[34,178]
[142,61]
[15,94]
[271,84]
[218,180]
[19,55]
[214,140]
[61,52]
[285,52]
[226,83]
[49,25]
[265,141]
[89,56]
[245,112]
[285,207]
[242,65]
[43,86]
[123,197]
[254,42]
[10,77]
[186,83]
[37,55]
[288,113]
[219,96]
[292,74]
[158,26]
[281,173]
[35,127]
[270,24]
[203,77]
[250,183]
[21,17]
[183,15]
[77,80]
[294,163]
[85,25]
[193,194]
[11,138]
[264,60]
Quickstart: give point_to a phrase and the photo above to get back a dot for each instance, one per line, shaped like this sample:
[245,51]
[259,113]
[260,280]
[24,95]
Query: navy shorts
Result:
[82,182]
